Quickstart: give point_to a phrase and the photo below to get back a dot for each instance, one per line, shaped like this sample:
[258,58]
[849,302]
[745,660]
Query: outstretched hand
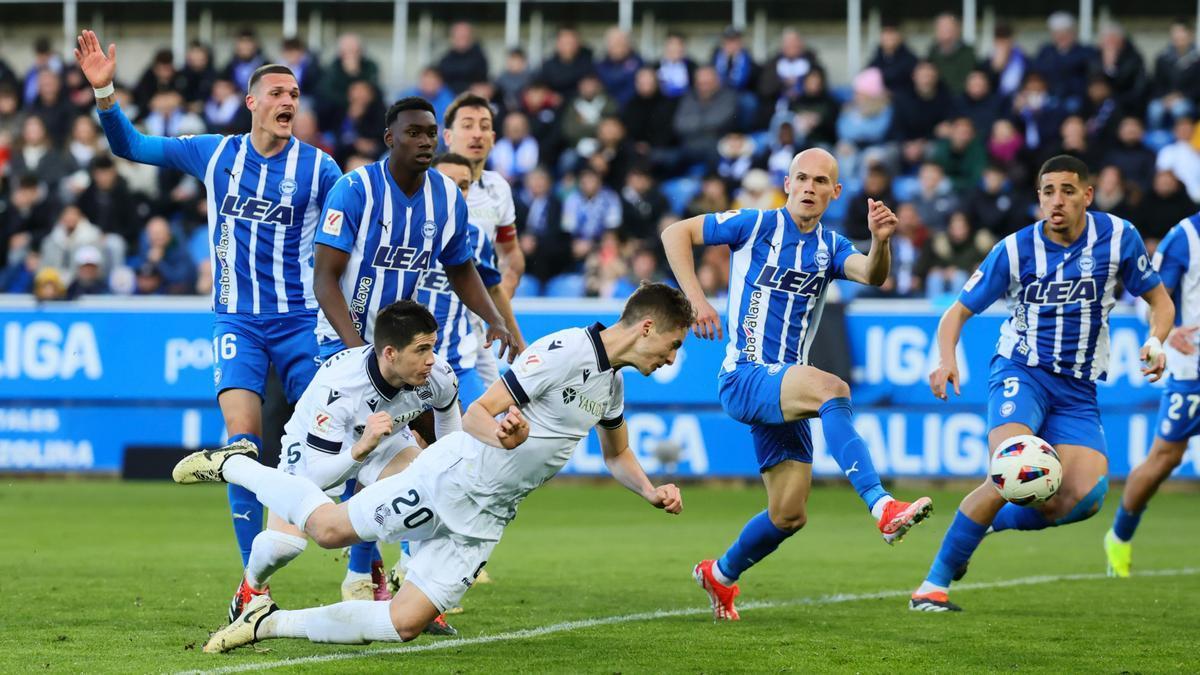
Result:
[99,68]
[881,221]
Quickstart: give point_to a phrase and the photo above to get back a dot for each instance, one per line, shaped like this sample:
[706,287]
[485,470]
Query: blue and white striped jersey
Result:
[262,212]
[1177,260]
[1059,297]
[778,276]
[392,240]
[457,341]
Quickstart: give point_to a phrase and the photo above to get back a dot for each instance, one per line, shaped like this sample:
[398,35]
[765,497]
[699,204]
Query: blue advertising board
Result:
[80,382]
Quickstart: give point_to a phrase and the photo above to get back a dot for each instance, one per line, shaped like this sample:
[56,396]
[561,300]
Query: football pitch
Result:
[101,576]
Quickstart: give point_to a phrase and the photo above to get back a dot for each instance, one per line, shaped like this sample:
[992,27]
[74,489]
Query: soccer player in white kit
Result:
[352,422]
[459,494]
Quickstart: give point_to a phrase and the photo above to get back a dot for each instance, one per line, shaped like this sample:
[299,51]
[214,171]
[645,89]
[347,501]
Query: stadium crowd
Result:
[605,148]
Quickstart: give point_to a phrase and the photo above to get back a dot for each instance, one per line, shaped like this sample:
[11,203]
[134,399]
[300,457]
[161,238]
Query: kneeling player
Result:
[1059,276]
[351,423]
[460,493]
[1178,263]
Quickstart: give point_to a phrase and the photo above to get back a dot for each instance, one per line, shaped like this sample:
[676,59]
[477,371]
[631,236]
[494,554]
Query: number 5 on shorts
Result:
[225,347]
[1011,386]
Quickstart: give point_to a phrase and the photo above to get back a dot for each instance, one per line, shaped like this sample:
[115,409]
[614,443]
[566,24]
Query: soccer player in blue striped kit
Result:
[1177,260]
[1059,277]
[265,191]
[782,262]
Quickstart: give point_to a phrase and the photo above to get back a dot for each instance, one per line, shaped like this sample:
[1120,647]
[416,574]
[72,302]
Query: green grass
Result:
[131,577]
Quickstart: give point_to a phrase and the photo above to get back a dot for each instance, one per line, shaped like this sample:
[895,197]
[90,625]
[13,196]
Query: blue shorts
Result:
[244,346]
[327,348]
[470,385]
[750,394]
[1179,411]
[1058,408]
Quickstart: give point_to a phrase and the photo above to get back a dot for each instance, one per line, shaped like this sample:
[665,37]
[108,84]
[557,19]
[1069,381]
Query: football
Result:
[1025,470]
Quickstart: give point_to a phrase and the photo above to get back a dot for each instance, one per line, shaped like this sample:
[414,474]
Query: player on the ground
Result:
[265,191]
[384,226]
[351,423]
[1177,260]
[459,494]
[782,262]
[1059,277]
[469,131]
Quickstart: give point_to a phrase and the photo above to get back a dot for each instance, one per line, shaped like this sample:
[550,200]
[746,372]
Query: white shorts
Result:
[330,471]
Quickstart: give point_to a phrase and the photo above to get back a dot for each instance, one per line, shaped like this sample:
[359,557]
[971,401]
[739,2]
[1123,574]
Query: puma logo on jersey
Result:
[402,258]
[789,280]
[1061,292]
[260,210]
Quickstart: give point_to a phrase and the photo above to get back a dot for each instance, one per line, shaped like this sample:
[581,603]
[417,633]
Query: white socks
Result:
[272,550]
[354,622]
[926,588]
[720,576]
[877,509]
[292,497]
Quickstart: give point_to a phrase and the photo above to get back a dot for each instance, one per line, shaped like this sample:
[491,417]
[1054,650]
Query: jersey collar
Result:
[593,333]
[381,385]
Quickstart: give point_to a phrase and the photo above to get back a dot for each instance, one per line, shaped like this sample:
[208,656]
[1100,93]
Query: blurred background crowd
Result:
[604,148]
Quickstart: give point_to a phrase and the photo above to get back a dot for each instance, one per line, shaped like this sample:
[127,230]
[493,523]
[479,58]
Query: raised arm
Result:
[948,332]
[679,239]
[623,464]
[874,267]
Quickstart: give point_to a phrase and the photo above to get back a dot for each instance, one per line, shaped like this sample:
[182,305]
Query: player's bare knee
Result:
[789,520]
[833,387]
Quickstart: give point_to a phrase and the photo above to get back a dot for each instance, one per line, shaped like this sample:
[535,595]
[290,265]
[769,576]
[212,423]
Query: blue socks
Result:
[849,450]
[1013,517]
[758,539]
[1125,523]
[960,542]
[245,508]
[362,555]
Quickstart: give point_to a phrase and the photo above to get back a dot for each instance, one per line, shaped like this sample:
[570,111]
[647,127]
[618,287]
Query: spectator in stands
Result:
[8,76]
[582,115]
[87,275]
[1181,157]
[906,246]
[514,79]
[777,156]
[86,140]
[1039,111]
[877,185]
[735,156]
[588,212]
[935,199]
[26,219]
[713,197]
[19,275]
[952,57]
[813,115]
[44,58]
[568,65]
[48,285]
[866,120]
[649,114]
[1064,62]
[1074,141]
[10,112]
[358,131]
[1166,204]
[949,257]
[169,258]
[546,246]
[351,65]
[71,232]
[613,153]
[159,76]
[304,64]
[618,69]
[542,106]
[704,115]
[431,87]
[223,111]
[1131,155]
[1111,195]
[1123,68]
[757,192]
[642,206]
[893,58]
[1102,111]
[76,89]
[110,205]
[604,265]
[1176,78]
[198,74]
[168,117]
[920,114]
[1007,63]
[516,153]
[676,68]
[783,76]
[52,107]
[978,102]
[961,155]
[995,207]
[464,62]
[739,73]
[643,266]
[35,153]
[247,57]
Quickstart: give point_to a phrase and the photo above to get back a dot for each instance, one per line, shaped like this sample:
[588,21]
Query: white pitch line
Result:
[569,626]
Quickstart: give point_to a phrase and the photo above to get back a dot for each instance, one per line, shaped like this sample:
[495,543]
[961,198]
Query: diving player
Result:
[461,492]
[1177,260]
[265,191]
[1059,277]
[782,262]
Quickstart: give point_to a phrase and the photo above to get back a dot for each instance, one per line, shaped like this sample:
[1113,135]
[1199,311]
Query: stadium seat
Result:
[565,286]
[680,191]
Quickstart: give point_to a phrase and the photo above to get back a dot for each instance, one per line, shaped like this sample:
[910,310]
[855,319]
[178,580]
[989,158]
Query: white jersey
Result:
[1177,260]
[564,385]
[332,413]
[490,204]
